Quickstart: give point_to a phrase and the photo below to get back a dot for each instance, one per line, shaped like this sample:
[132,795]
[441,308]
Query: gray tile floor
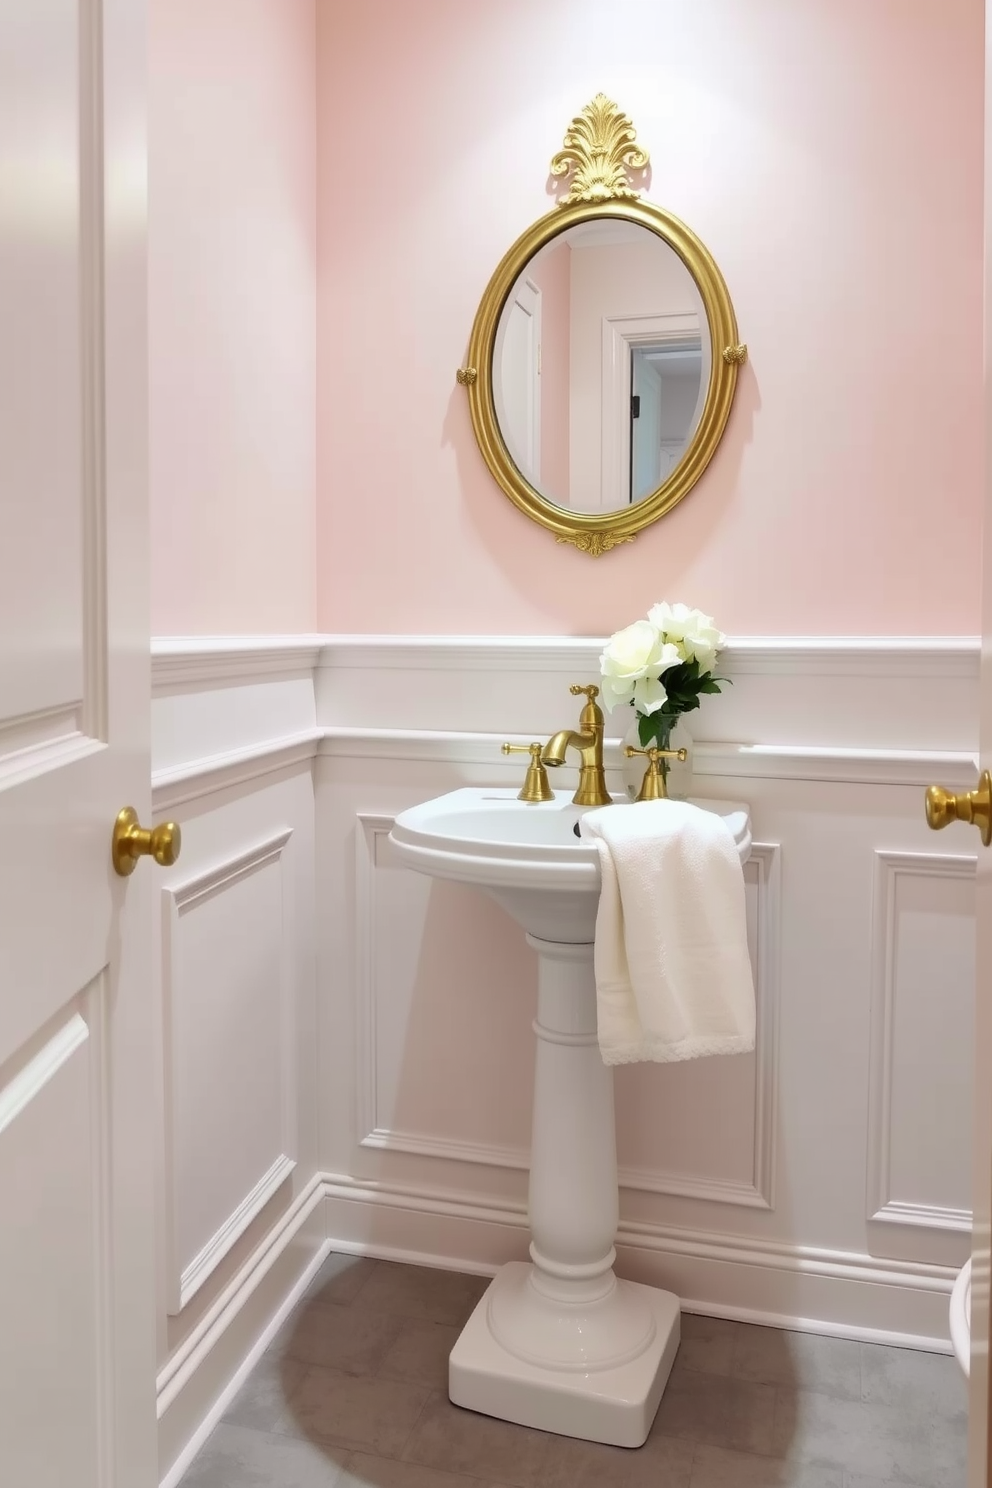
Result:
[352,1394]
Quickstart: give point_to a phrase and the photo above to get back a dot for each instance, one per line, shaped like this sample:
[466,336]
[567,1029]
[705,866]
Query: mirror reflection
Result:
[601,365]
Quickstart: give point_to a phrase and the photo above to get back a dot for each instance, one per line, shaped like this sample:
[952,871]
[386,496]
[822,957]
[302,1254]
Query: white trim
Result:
[177,899]
[217,1247]
[369,827]
[881,1206]
[619,334]
[179,1369]
[180,661]
[924,1216]
[895,1338]
[675,1240]
[434,746]
[478,1236]
[754,761]
[923,657]
[28,1083]
[226,871]
[957,769]
[186,662]
[236,767]
[385,1139]
[226,1312]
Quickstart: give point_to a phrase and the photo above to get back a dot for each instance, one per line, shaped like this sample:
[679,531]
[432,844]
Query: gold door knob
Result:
[131,842]
[975,806]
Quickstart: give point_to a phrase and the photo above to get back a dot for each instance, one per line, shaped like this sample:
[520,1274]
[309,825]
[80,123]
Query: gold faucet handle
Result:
[591,715]
[536,786]
[654,786]
[654,753]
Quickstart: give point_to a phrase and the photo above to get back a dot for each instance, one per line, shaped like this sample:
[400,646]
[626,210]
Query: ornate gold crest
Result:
[596,543]
[601,148]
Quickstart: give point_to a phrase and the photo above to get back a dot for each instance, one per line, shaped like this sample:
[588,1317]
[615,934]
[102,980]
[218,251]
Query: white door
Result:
[517,378]
[980,1385]
[645,427]
[77,1362]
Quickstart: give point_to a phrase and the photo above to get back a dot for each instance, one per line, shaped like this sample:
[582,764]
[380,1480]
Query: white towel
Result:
[673,975]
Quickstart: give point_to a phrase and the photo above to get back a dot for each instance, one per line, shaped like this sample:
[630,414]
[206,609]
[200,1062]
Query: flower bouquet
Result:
[661,666]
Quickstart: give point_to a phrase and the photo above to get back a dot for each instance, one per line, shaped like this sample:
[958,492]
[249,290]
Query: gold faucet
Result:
[589,742]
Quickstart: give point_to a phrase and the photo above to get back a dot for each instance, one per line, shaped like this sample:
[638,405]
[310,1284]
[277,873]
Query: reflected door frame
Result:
[621,334]
[519,415]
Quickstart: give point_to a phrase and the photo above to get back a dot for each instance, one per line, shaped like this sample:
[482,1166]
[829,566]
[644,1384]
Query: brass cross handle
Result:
[536,786]
[131,842]
[974,806]
[654,753]
[654,786]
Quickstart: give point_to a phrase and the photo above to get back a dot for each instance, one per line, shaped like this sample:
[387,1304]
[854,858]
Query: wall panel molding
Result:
[764,869]
[178,899]
[883,1205]
[217,1247]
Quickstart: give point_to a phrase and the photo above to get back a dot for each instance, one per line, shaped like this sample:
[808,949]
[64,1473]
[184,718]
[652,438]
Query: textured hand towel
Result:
[673,975]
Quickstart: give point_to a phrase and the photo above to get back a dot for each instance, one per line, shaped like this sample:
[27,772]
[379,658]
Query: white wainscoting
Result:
[352,1042]
[922,1018]
[744,1182]
[228,1006]
[240,1211]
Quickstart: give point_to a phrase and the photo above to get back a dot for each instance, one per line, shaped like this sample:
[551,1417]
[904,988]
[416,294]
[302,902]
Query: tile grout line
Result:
[401,1455]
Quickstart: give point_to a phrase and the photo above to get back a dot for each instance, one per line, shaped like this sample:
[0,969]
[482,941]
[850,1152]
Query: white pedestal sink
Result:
[560,1344]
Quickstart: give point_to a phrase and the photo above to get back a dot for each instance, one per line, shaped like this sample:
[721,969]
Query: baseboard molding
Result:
[804,1288]
[201,1378]
[838,1293]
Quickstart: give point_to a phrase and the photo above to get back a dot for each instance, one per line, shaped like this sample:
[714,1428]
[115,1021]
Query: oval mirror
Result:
[604,355]
[601,365]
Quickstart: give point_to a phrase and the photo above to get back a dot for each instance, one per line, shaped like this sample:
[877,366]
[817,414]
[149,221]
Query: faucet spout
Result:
[558,745]
[588,740]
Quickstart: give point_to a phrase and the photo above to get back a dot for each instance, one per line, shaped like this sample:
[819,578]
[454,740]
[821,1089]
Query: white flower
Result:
[636,654]
[693,633]
[649,695]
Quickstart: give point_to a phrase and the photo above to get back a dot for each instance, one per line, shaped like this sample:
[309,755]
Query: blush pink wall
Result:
[551,271]
[232,308]
[829,154]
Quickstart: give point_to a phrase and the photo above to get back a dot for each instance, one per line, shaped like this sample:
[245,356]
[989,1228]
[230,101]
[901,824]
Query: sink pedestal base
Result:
[606,1404]
[562,1344]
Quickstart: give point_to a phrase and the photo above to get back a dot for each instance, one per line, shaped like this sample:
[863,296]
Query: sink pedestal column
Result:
[561,1344]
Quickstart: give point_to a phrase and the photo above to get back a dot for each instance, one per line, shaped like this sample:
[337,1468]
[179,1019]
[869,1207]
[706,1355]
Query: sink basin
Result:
[559,1343]
[526,854]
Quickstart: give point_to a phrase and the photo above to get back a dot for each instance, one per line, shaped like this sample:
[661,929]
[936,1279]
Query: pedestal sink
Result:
[560,1344]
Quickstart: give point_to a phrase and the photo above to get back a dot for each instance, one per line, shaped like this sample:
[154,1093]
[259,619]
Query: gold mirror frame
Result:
[601,152]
